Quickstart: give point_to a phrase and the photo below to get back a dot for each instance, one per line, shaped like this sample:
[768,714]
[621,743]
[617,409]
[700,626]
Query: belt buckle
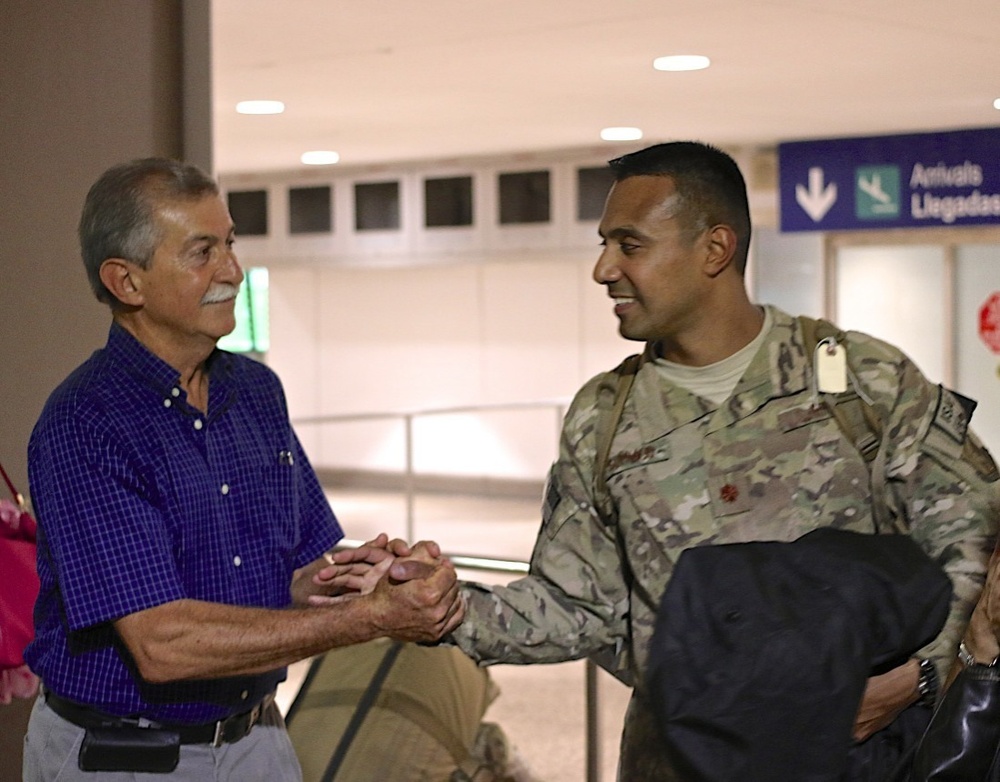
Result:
[254,717]
[249,719]
[217,740]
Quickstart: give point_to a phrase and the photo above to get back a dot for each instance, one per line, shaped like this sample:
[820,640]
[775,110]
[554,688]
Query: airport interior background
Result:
[431,315]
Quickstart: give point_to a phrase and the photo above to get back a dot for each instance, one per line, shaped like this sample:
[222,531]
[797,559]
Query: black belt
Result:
[227,731]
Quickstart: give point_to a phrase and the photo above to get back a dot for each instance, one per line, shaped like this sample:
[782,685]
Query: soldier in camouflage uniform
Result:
[727,435]
[768,462]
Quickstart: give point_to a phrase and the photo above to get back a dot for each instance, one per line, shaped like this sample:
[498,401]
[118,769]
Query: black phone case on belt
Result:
[129,748]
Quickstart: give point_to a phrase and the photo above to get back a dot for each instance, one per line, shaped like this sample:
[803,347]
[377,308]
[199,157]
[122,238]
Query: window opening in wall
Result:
[592,186]
[448,201]
[309,210]
[248,208]
[524,197]
[376,206]
[253,332]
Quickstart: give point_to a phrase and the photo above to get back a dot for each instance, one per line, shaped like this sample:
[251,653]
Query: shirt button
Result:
[197,423]
[224,488]
[244,695]
[175,392]
[237,560]
[166,403]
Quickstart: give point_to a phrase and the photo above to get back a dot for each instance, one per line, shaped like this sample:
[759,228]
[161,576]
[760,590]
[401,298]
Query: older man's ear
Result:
[118,277]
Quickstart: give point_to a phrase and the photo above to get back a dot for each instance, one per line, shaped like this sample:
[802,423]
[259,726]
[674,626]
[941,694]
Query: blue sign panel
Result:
[917,180]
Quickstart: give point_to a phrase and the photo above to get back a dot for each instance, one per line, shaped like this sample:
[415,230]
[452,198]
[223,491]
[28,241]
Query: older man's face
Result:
[191,284]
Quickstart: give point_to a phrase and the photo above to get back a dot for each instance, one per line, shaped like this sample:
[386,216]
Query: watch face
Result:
[966,658]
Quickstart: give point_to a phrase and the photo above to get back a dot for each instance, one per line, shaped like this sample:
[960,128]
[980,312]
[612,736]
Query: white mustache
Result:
[220,293]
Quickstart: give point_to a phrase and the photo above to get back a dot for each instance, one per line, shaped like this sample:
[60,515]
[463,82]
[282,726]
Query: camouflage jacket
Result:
[769,463]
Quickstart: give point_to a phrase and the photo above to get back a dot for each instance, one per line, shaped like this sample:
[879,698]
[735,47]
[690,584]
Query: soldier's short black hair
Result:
[710,185]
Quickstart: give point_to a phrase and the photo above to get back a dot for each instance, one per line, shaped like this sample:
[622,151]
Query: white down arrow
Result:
[817,200]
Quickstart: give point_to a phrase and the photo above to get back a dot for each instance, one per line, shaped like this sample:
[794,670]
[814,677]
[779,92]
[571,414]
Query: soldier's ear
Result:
[122,279]
[720,250]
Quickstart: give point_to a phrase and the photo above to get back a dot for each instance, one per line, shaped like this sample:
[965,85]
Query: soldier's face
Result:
[651,262]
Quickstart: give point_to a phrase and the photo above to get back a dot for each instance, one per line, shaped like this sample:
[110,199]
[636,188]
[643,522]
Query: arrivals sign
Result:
[917,180]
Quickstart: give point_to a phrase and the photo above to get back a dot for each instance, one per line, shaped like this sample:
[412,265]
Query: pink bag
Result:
[18,591]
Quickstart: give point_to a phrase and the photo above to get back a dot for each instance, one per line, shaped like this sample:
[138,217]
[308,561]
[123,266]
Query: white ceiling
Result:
[402,80]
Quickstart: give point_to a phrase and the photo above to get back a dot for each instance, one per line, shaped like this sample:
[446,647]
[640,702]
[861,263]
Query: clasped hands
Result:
[413,590]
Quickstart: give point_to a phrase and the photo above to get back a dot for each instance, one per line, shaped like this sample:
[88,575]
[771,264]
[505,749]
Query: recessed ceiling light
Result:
[996,103]
[260,107]
[320,157]
[681,62]
[621,134]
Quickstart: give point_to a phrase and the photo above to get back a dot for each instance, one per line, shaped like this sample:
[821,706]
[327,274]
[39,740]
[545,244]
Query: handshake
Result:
[411,592]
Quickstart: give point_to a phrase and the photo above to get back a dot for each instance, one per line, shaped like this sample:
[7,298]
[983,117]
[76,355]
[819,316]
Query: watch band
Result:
[966,658]
[927,684]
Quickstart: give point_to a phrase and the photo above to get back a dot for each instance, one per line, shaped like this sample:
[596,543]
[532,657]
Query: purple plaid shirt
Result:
[142,499]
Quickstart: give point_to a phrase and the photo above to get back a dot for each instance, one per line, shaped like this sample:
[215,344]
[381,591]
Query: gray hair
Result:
[119,213]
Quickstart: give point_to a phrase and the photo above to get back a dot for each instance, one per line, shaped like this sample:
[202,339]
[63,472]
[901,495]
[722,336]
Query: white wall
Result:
[355,341]
[897,294]
[977,367]
[787,270]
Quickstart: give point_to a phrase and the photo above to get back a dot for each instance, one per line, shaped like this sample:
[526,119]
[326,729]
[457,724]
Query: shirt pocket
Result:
[790,473]
[279,494]
[730,493]
[662,494]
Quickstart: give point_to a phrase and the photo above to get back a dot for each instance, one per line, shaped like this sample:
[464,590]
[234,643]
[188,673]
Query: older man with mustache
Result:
[181,524]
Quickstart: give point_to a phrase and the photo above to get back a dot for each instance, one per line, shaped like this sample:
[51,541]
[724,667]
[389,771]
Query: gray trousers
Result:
[52,744]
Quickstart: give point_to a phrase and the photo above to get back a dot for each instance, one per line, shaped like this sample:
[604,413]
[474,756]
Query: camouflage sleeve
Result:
[939,485]
[574,601]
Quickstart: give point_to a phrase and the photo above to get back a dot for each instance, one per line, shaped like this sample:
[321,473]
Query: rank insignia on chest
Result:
[729,493]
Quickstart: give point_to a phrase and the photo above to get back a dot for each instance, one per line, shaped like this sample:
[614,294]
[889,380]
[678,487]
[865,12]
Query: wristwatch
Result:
[927,684]
[966,658]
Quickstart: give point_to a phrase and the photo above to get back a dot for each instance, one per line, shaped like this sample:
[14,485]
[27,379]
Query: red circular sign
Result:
[989,322]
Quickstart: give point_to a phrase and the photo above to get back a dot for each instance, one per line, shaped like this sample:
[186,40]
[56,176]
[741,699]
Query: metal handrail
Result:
[465,561]
[592,719]
[409,416]
[429,411]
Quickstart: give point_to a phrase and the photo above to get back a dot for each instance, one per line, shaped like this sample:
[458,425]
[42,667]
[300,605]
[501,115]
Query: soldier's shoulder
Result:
[882,367]
[861,343]
[875,349]
[604,384]
[595,396]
